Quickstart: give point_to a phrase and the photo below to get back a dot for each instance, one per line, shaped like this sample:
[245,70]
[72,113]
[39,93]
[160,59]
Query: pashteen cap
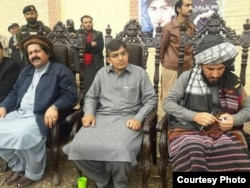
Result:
[36,39]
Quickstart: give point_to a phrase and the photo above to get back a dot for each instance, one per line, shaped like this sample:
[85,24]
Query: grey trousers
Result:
[102,172]
[31,161]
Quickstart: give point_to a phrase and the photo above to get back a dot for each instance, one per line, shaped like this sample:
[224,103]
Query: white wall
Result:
[113,12]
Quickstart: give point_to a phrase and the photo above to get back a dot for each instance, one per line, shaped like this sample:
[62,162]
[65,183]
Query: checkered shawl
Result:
[217,54]
[198,95]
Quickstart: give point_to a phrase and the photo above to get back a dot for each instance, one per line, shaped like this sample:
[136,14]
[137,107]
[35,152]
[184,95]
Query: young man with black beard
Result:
[93,43]
[205,106]
[33,26]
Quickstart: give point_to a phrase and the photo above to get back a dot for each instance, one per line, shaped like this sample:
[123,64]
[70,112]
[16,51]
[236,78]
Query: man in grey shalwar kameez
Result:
[118,101]
[31,108]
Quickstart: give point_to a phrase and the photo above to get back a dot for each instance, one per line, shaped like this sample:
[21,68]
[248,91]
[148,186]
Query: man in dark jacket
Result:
[42,89]
[15,51]
[9,71]
[93,47]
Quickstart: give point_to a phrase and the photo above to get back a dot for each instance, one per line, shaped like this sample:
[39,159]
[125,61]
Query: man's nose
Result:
[215,74]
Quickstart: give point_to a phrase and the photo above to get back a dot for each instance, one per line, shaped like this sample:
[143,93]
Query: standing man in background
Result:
[170,44]
[93,47]
[33,26]
[15,53]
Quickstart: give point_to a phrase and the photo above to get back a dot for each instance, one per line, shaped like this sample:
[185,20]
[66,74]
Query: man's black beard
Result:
[210,84]
[31,21]
[87,31]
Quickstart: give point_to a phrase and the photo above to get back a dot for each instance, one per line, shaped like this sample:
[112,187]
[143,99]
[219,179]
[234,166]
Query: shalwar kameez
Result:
[21,139]
[113,99]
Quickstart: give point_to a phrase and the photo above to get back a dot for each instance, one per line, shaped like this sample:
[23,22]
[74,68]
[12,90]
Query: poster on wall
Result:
[203,9]
[155,12]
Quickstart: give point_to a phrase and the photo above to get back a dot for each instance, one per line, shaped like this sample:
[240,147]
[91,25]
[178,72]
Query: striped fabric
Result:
[191,151]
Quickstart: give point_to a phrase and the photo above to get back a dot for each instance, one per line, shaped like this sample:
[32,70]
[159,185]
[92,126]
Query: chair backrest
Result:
[62,44]
[138,50]
[138,46]
[217,26]
[68,50]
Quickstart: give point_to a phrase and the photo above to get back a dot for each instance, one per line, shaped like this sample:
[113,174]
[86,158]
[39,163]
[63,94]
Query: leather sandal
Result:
[24,181]
[14,176]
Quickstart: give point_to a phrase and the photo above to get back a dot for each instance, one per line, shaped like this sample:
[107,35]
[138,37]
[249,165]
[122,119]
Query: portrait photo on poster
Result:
[154,13]
[159,12]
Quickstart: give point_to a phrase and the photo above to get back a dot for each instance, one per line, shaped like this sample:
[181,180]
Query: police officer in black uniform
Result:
[33,26]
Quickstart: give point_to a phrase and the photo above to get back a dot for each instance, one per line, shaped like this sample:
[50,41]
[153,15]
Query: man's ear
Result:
[108,60]
[178,10]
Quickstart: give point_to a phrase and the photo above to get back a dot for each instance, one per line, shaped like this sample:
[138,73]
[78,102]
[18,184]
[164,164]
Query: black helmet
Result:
[70,22]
